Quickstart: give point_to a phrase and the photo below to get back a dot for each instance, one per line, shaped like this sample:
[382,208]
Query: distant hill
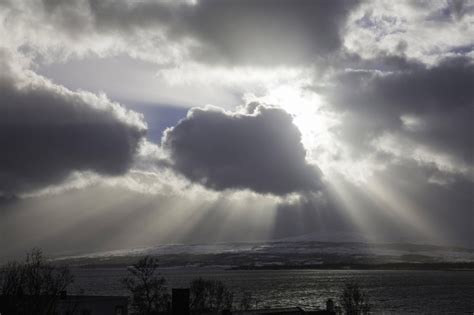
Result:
[287,253]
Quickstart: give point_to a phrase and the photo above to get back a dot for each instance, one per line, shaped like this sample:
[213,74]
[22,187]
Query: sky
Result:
[136,123]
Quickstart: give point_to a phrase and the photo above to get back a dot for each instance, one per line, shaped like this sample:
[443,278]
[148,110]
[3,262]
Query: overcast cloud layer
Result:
[337,115]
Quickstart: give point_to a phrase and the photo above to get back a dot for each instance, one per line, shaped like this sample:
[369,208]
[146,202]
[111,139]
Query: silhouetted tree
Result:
[149,294]
[32,286]
[354,300]
[209,296]
[246,301]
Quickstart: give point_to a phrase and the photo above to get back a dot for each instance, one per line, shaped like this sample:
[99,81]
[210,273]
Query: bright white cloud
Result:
[423,30]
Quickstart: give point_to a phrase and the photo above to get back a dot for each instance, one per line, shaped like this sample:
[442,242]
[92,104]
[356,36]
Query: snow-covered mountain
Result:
[288,252]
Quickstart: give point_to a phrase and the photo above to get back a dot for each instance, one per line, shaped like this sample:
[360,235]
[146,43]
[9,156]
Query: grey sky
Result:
[283,117]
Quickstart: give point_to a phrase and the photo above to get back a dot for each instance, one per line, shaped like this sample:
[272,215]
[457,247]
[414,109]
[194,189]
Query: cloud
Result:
[48,131]
[424,30]
[231,32]
[267,32]
[259,150]
[169,52]
[418,112]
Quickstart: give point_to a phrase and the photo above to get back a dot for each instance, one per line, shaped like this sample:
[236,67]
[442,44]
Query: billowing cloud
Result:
[423,30]
[419,112]
[259,150]
[235,32]
[169,52]
[267,32]
[47,132]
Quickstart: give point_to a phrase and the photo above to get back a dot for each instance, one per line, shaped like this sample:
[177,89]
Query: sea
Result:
[390,291]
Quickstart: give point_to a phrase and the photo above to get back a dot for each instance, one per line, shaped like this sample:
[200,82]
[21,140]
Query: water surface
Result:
[393,291]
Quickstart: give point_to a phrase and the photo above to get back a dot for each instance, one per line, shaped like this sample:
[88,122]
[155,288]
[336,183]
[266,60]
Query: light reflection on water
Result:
[390,291]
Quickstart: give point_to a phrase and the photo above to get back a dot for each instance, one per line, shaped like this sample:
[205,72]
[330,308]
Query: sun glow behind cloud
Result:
[324,150]
[308,113]
[317,123]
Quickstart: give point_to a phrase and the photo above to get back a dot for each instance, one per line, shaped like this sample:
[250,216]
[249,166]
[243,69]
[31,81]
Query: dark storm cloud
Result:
[235,31]
[260,151]
[268,32]
[438,99]
[47,131]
